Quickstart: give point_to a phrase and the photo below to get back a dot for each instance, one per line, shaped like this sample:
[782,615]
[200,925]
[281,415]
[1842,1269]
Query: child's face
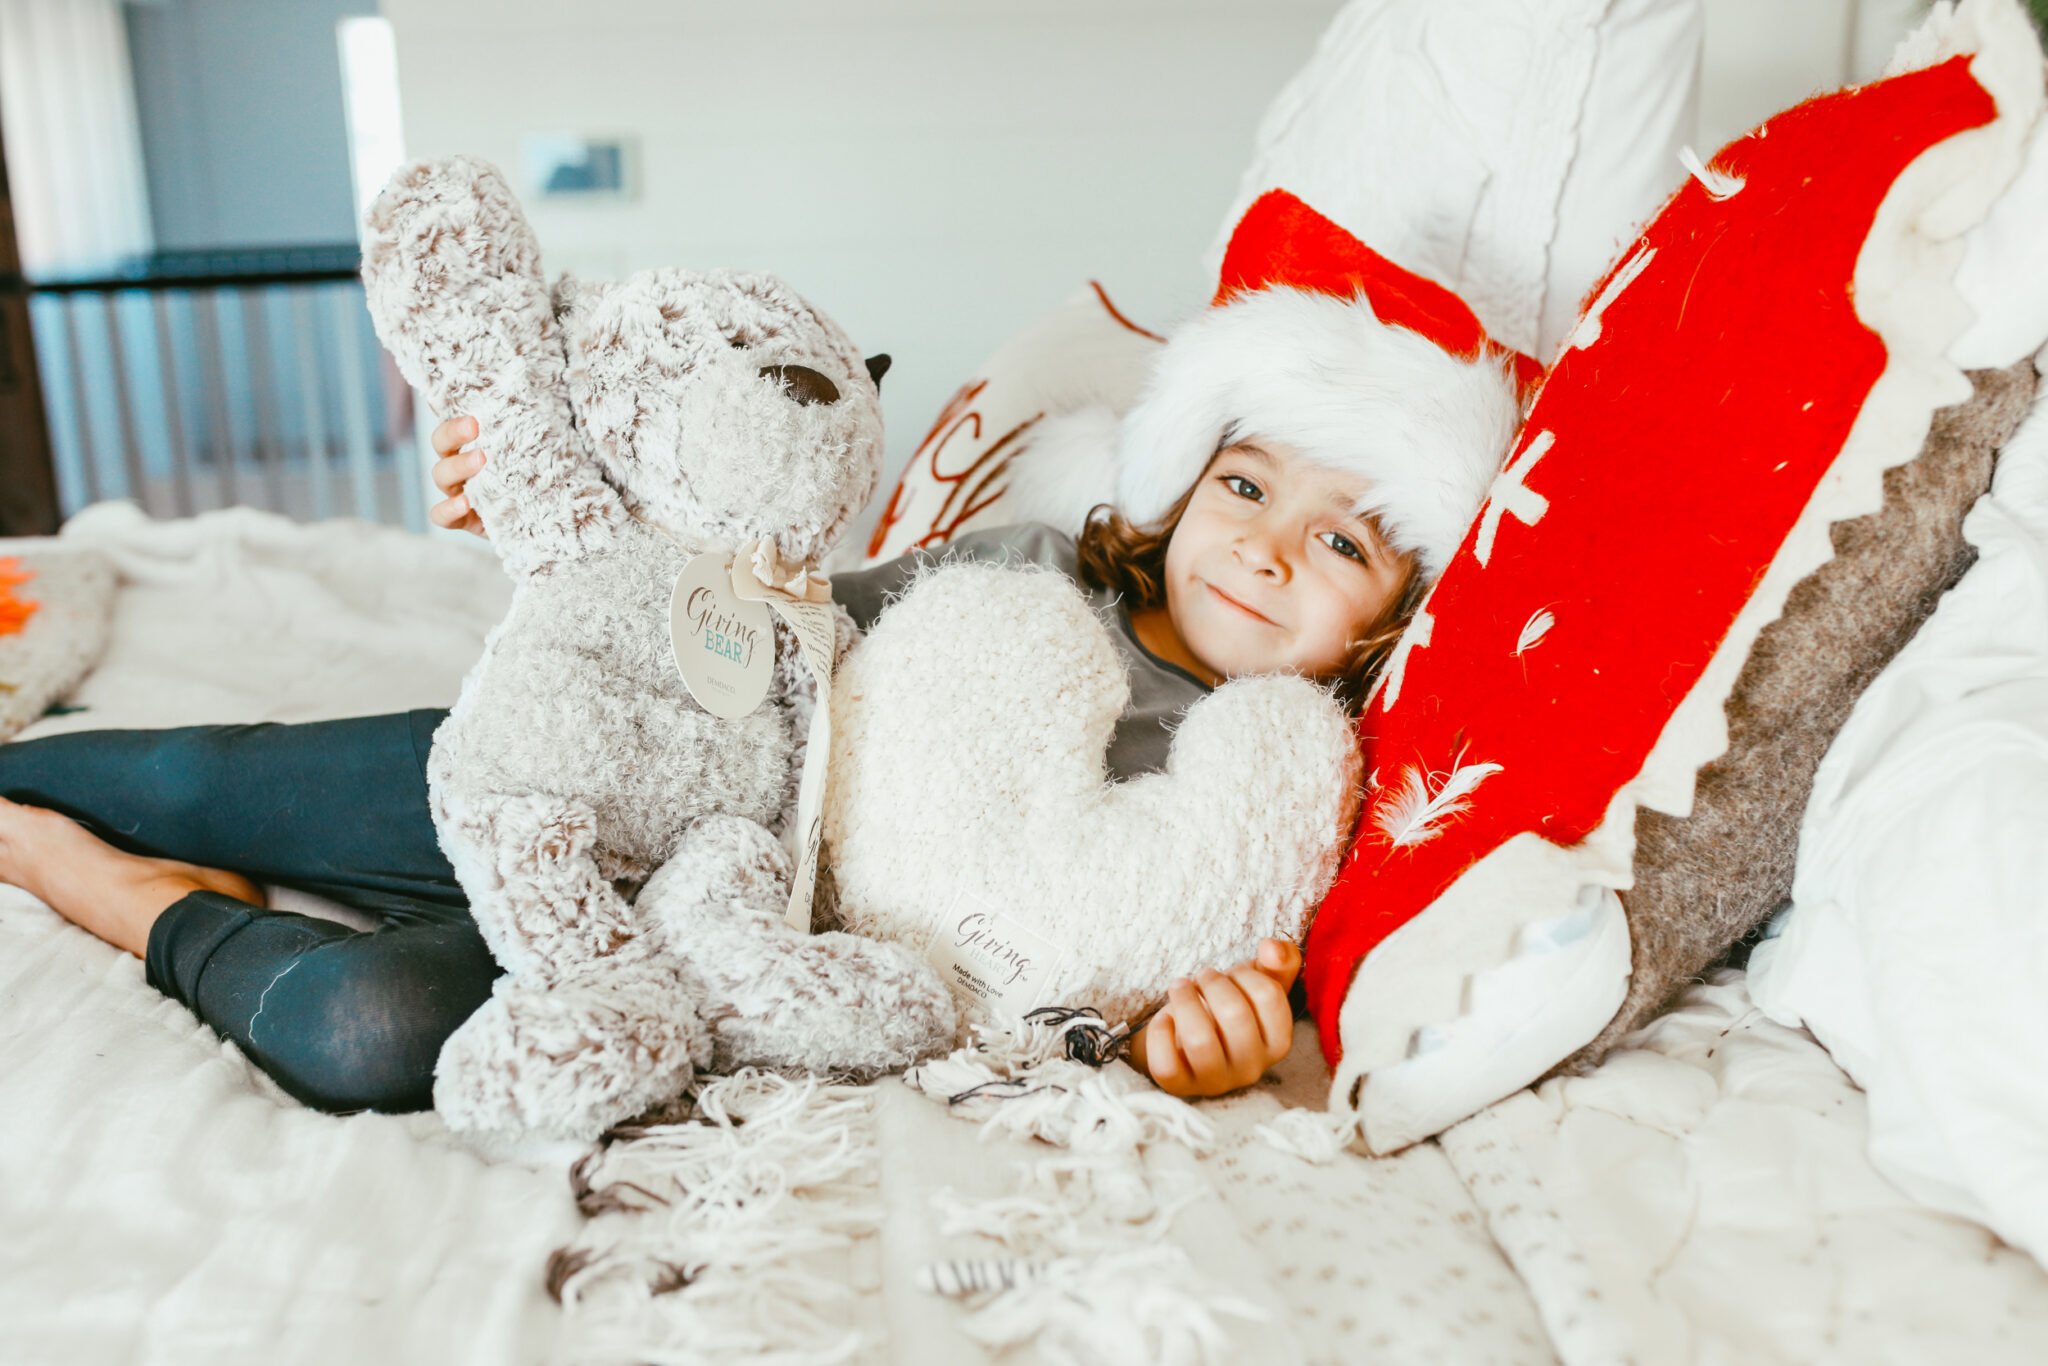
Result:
[1269,569]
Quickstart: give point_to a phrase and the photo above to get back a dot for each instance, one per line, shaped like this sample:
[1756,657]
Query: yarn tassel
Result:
[963,1277]
[697,1252]
[1318,1137]
[1029,1081]
[1141,1304]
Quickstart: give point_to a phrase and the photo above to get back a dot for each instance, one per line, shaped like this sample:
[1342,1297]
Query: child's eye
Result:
[1242,487]
[1343,545]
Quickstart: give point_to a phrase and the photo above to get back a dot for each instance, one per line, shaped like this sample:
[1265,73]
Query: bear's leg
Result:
[777,997]
[592,1025]
[572,1057]
[528,865]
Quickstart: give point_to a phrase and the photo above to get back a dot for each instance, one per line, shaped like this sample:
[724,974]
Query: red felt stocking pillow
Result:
[1740,382]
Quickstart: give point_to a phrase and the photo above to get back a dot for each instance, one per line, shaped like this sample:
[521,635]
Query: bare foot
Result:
[95,886]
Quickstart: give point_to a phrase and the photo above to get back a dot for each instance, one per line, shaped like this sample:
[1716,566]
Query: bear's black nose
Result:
[802,383]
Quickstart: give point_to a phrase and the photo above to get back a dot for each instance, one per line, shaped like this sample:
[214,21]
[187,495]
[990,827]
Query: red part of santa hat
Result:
[1319,342]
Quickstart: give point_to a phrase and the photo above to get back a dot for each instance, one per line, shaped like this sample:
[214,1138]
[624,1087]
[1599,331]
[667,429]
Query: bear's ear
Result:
[878,366]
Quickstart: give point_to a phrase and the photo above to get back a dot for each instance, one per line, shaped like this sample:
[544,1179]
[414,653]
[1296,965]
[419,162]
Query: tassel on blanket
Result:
[1106,1286]
[966,1276]
[1076,1204]
[1054,1077]
[697,1248]
[1145,1304]
[1317,1137]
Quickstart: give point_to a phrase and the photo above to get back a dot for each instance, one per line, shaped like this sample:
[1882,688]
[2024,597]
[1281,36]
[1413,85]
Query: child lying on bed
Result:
[1296,537]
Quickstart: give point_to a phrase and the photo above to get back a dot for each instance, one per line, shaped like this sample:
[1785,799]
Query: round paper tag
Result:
[724,646]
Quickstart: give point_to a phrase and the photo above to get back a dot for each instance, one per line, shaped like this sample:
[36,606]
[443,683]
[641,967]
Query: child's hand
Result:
[451,472]
[1221,1030]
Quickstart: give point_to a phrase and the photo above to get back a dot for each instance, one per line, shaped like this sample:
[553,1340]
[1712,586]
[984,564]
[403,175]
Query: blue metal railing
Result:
[194,380]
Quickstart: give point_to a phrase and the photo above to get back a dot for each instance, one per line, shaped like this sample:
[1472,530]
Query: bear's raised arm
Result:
[452,271]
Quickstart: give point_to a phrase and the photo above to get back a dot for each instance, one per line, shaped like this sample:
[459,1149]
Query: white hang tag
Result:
[812,624]
[724,646]
[995,960]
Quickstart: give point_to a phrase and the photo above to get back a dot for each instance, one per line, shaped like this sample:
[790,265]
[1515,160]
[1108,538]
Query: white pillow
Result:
[1028,438]
[1503,148]
[2004,273]
[1448,135]
[1917,946]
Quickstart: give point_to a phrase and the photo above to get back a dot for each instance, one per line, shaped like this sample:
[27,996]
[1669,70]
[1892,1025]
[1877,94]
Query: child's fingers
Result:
[1194,1030]
[457,515]
[449,436]
[1279,960]
[1270,1005]
[1236,1021]
[451,472]
[450,512]
[1163,1060]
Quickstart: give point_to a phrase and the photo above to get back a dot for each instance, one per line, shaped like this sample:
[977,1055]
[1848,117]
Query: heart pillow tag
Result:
[995,962]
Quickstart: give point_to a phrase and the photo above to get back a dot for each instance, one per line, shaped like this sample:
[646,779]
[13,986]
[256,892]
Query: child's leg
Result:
[343,1019]
[117,896]
[338,808]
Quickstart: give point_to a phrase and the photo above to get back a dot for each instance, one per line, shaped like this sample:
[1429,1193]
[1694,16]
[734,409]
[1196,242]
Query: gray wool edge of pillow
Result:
[1704,882]
[63,639]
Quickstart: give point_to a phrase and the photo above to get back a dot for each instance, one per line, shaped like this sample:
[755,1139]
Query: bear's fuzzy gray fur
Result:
[624,850]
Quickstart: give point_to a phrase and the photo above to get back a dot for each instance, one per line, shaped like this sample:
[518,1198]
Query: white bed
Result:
[1705,1196]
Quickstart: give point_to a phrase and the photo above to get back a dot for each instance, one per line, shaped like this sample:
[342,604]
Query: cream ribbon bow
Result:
[801,596]
[760,574]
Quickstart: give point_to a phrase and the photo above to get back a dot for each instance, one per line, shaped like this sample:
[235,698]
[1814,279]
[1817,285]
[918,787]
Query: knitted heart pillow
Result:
[968,814]
[1739,383]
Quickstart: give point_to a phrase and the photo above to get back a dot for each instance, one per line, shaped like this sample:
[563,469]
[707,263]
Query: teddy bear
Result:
[627,853]
[968,807]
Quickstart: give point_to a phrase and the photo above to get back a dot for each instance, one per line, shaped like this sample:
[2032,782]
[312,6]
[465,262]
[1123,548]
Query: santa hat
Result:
[1317,341]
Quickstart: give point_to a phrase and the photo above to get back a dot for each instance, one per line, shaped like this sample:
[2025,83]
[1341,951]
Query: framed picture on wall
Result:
[575,166]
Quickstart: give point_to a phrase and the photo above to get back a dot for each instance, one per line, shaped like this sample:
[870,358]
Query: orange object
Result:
[14,611]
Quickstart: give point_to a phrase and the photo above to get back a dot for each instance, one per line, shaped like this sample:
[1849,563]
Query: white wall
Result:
[1766,55]
[242,125]
[934,173]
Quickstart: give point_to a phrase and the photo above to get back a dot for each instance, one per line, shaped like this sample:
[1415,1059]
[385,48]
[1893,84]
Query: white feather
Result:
[1416,812]
[1719,185]
[1534,630]
[1588,330]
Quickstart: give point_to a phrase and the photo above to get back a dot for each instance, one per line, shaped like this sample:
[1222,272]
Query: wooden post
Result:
[28,476]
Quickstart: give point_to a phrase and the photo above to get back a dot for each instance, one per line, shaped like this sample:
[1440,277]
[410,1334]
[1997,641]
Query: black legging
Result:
[344,1019]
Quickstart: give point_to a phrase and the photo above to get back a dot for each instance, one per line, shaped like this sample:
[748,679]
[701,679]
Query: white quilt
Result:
[1704,1197]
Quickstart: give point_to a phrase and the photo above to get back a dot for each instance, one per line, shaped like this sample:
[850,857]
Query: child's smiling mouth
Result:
[1251,612]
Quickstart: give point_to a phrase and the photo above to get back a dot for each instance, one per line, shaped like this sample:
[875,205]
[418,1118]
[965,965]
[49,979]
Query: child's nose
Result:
[1261,550]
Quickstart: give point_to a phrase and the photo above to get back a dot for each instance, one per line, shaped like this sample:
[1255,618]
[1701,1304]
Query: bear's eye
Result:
[802,383]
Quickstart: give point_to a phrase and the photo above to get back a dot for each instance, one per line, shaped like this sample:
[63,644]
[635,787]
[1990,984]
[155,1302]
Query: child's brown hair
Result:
[1120,555]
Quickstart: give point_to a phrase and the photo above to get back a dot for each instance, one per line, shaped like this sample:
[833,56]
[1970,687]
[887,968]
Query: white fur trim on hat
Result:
[1426,429]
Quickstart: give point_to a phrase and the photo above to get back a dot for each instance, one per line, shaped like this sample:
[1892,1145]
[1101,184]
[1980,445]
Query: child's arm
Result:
[1221,1031]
